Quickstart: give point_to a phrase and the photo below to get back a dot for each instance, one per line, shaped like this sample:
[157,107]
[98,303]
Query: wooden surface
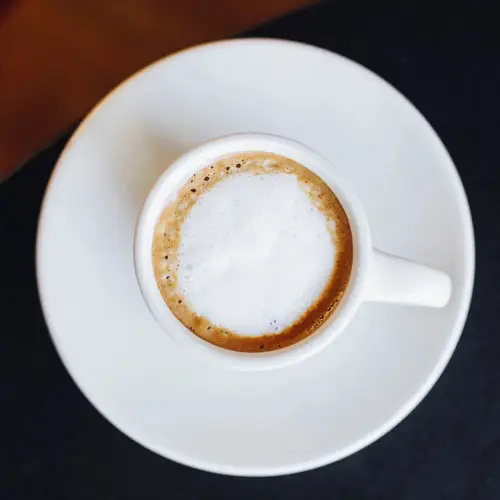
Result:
[59,57]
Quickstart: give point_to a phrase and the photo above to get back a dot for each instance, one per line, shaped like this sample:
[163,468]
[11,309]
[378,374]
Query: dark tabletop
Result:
[445,57]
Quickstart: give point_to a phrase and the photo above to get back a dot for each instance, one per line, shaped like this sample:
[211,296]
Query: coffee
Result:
[254,254]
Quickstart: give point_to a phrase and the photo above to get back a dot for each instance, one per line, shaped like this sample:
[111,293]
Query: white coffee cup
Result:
[375,276]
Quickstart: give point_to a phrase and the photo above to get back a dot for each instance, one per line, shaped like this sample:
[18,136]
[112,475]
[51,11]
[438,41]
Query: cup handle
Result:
[401,281]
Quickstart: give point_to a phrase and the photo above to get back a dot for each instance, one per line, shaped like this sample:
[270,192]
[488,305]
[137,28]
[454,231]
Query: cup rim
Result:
[175,175]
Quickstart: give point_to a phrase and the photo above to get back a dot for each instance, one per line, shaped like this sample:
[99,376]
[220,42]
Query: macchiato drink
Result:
[254,254]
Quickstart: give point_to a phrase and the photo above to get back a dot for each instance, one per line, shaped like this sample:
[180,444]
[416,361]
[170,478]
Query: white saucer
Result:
[249,423]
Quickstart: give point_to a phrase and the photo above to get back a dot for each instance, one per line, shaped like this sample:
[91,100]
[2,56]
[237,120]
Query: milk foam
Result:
[255,253]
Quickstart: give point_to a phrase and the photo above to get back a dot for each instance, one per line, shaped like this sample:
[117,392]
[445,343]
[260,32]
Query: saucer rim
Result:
[328,458]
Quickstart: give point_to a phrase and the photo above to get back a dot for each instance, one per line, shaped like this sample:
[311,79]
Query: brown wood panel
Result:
[58,57]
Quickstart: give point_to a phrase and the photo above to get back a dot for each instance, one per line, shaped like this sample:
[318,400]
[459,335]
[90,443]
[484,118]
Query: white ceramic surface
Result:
[375,276]
[250,423]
